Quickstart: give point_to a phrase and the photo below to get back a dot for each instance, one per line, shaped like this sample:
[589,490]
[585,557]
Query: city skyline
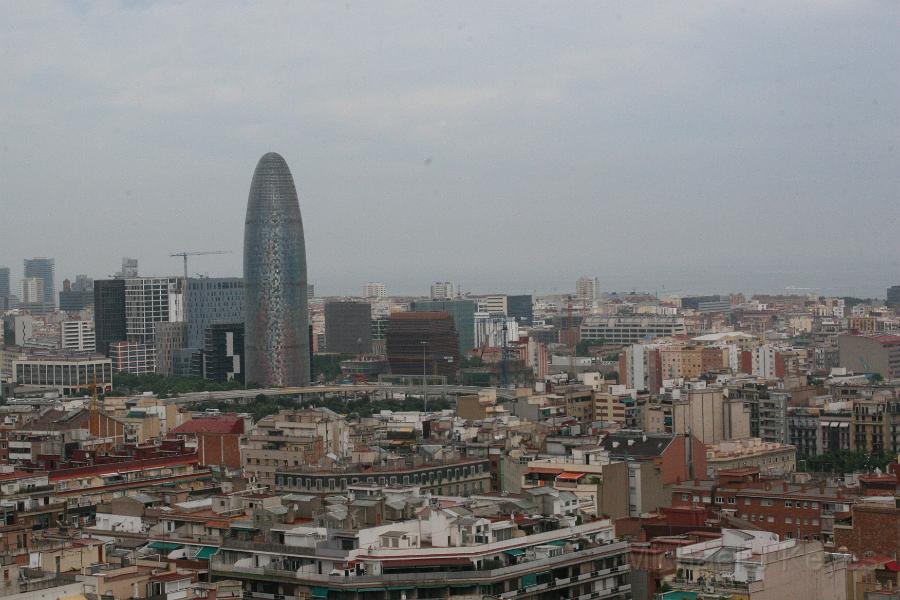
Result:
[690,138]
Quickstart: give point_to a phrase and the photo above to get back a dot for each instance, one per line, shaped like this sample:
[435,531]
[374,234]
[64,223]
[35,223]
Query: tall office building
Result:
[374,289]
[587,288]
[43,268]
[212,300]
[422,342]
[276,330]
[5,291]
[33,291]
[109,312]
[148,301]
[442,290]
[463,313]
[170,339]
[893,293]
[223,352]
[348,327]
[521,308]
[77,296]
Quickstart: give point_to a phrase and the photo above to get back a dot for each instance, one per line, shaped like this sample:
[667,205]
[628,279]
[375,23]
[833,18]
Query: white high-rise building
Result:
[587,288]
[442,290]
[149,300]
[32,290]
[374,289]
[489,330]
[77,334]
[495,305]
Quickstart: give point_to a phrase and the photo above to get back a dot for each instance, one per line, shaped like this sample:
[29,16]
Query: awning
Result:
[319,592]
[514,552]
[165,546]
[442,561]
[206,553]
[570,476]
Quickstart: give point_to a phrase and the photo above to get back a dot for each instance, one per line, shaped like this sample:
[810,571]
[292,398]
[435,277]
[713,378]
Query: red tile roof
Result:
[19,475]
[215,425]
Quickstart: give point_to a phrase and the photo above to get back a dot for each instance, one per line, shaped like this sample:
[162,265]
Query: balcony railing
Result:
[476,577]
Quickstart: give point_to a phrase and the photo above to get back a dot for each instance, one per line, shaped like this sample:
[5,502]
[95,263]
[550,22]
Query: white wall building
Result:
[374,289]
[32,290]
[149,300]
[77,335]
[442,290]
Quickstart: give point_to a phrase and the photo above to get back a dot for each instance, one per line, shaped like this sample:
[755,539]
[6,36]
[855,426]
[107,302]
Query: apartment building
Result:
[446,477]
[771,458]
[290,439]
[709,415]
[632,329]
[804,511]
[447,552]
[758,564]
[77,335]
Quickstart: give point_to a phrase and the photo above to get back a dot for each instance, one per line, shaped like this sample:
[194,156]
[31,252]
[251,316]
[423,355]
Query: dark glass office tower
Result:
[4,282]
[109,312]
[276,339]
[348,327]
[521,308]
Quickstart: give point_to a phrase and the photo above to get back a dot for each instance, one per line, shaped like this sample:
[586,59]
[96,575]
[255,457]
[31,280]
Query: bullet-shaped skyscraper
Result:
[276,331]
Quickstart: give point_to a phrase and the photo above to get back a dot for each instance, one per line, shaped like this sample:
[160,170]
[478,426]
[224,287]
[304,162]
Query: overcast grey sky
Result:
[706,146]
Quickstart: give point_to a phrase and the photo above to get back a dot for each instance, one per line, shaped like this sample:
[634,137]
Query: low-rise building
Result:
[757,564]
[771,458]
[447,550]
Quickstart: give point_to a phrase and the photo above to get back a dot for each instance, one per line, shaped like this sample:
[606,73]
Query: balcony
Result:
[484,577]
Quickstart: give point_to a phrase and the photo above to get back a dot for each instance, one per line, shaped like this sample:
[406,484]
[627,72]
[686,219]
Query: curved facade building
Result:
[276,330]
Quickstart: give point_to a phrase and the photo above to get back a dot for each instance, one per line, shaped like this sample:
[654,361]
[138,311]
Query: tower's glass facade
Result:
[276,332]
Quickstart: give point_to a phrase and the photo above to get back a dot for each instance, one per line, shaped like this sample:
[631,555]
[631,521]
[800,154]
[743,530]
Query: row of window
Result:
[749,501]
[425,478]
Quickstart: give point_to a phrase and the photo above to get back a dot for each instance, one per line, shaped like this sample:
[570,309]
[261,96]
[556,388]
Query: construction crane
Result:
[185,255]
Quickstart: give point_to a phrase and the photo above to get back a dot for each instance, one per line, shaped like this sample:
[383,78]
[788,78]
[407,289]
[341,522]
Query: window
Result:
[685,497]
[732,500]
[766,502]
[720,500]
[788,503]
[788,520]
[747,502]
[771,519]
